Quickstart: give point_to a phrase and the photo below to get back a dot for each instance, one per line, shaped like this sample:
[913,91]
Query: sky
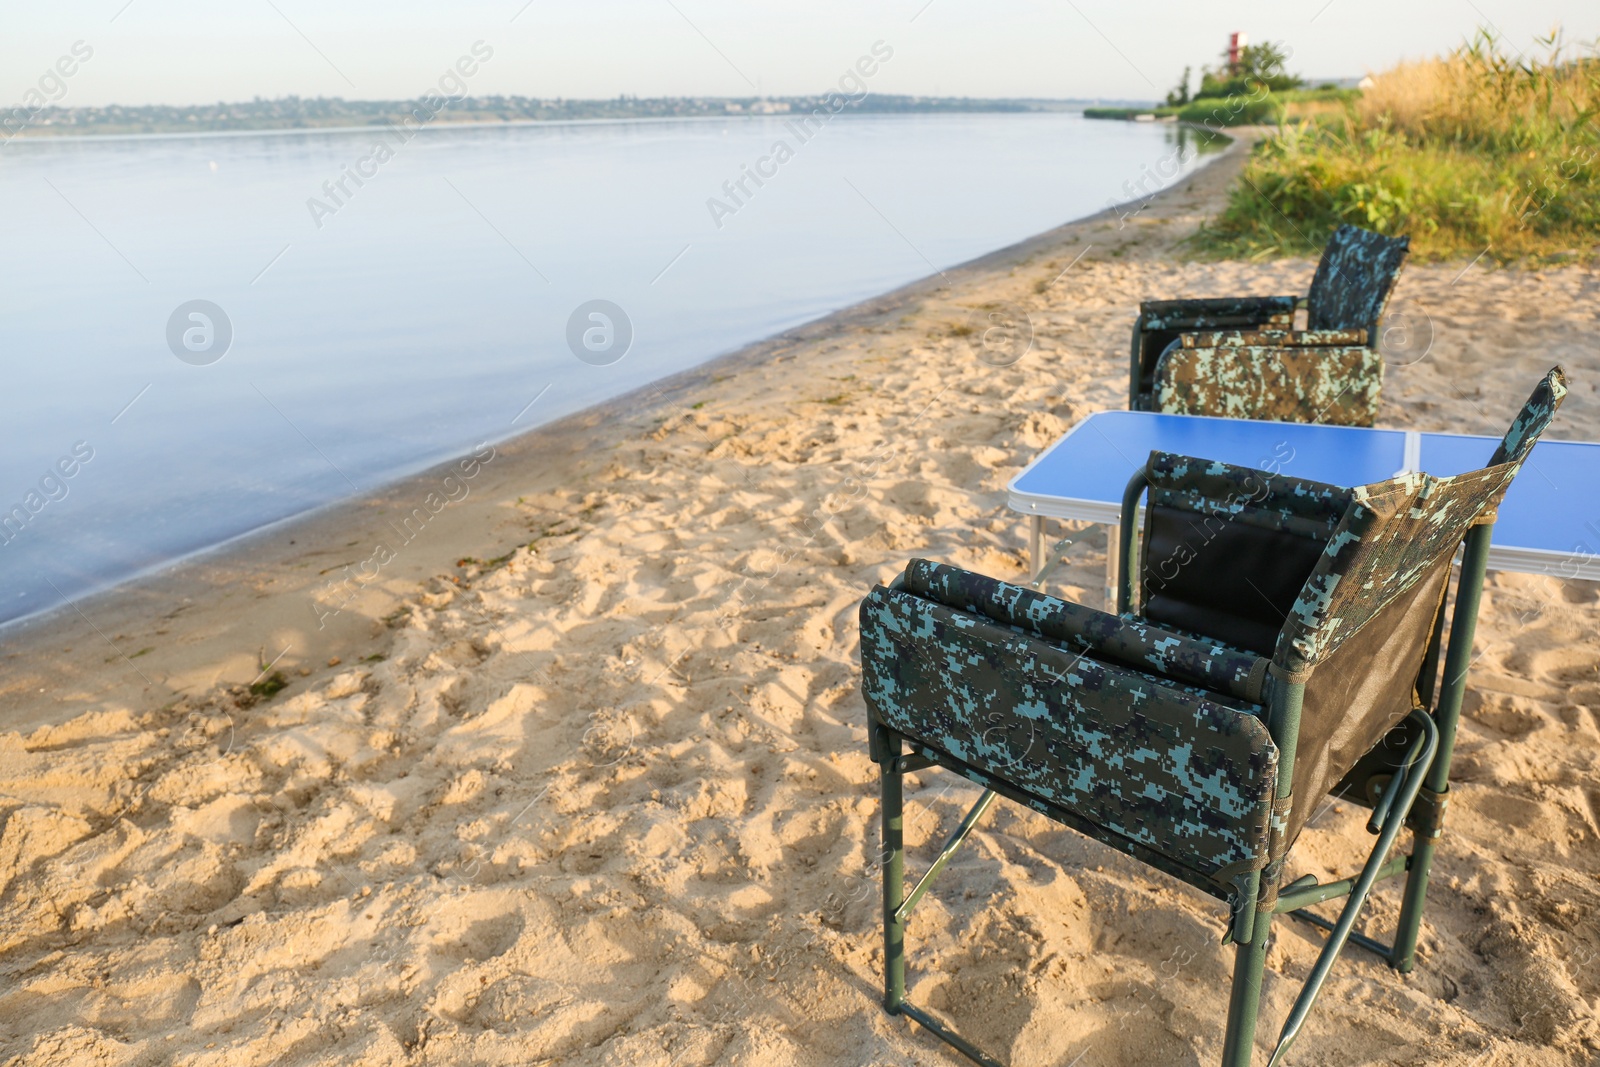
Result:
[187,51]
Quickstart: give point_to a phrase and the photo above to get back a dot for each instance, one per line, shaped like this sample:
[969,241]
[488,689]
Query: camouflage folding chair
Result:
[1286,648]
[1239,357]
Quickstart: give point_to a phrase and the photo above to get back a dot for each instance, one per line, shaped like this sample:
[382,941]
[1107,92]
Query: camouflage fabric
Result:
[1135,759]
[1533,419]
[1394,531]
[1253,338]
[1354,278]
[1338,385]
[1216,312]
[1226,550]
[1125,640]
[1161,322]
[1525,430]
[1244,494]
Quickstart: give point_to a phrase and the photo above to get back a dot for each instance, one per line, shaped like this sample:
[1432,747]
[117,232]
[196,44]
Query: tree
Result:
[1180,93]
[1260,66]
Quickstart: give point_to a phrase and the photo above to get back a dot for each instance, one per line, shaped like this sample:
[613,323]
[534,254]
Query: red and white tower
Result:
[1236,44]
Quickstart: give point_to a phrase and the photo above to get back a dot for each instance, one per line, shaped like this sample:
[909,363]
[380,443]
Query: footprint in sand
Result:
[1509,715]
[468,929]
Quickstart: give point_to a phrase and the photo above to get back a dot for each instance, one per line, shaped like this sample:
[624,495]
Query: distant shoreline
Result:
[467,124]
[312,117]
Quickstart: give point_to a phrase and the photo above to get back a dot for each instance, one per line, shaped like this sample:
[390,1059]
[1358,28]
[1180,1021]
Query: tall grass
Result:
[1479,151]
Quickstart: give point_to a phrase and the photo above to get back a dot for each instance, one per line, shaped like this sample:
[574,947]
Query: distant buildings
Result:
[293,112]
[1363,82]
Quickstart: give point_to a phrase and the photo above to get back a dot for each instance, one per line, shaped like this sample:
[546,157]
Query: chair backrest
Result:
[1394,531]
[1354,278]
[1316,576]
[1532,420]
[1359,629]
[1227,549]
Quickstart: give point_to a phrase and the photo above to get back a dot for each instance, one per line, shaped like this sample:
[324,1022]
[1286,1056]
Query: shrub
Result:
[1240,110]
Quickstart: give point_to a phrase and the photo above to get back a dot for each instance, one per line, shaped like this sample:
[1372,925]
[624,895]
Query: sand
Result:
[605,798]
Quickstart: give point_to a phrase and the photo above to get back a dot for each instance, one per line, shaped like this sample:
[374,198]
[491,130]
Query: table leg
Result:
[1112,531]
[1036,560]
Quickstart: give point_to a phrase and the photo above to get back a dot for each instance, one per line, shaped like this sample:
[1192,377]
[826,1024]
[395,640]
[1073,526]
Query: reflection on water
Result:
[217,332]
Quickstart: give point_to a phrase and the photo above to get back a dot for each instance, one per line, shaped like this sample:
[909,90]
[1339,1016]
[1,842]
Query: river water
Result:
[205,334]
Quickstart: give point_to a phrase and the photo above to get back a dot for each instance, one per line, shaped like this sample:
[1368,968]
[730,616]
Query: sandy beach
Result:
[571,767]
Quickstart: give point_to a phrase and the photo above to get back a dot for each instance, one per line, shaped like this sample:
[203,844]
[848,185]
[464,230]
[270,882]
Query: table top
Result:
[1549,523]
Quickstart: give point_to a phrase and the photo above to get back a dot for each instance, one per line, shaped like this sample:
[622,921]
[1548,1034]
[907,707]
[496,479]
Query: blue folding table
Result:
[1549,523]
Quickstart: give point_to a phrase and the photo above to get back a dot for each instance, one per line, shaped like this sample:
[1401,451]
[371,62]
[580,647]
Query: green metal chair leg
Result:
[1244,1003]
[897,904]
[1403,957]
[1463,627]
[894,874]
[1419,763]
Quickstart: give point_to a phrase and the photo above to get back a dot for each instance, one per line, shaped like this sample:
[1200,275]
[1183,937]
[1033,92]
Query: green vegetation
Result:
[1180,93]
[1253,91]
[1264,107]
[1124,112]
[1260,67]
[1476,152]
[270,686]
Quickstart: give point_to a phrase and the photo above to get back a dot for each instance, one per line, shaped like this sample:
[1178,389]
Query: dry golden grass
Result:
[1479,95]
[1408,95]
[1314,109]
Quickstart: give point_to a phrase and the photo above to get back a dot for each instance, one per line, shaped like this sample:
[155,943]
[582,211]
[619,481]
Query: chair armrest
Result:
[1127,642]
[1217,312]
[1273,338]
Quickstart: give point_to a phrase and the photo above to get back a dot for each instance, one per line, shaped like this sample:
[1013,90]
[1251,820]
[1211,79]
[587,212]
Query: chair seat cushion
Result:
[1134,760]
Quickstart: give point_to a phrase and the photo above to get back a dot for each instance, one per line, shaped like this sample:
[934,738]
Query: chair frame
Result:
[1426,769]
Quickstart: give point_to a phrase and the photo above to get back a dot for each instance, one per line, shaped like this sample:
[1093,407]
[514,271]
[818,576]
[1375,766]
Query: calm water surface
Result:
[429,309]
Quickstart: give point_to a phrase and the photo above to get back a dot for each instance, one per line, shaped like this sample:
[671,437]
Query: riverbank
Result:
[579,774]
